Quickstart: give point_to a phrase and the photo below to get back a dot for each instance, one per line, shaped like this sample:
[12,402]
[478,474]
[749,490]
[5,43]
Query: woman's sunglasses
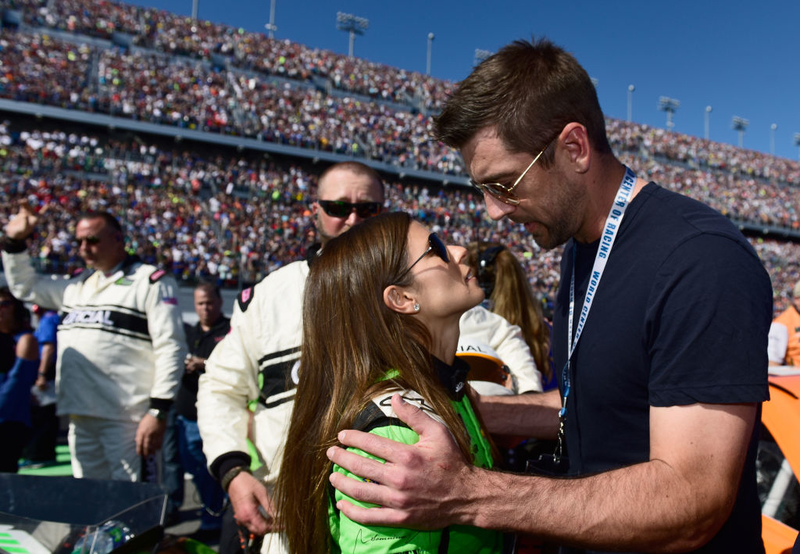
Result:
[338,208]
[436,246]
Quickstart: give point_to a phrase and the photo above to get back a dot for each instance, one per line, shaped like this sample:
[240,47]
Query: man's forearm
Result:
[646,507]
[532,415]
[46,361]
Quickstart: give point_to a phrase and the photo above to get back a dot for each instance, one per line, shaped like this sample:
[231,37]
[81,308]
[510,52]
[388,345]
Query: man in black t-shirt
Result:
[201,339]
[659,342]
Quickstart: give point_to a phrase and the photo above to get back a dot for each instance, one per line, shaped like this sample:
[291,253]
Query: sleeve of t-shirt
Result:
[46,332]
[356,538]
[707,325]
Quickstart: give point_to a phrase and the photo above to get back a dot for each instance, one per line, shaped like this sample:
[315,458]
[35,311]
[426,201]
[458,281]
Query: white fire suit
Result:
[121,343]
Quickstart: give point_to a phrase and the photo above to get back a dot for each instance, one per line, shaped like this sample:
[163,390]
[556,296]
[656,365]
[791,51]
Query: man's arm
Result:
[678,500]
[23,281]
[169,350]
[46,363]
[229,382]
[532,415]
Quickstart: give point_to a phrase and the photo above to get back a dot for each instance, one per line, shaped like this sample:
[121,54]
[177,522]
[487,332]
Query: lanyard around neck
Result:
[610,230]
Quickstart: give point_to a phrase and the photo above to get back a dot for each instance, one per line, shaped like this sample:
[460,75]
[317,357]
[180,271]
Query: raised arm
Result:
[23,281]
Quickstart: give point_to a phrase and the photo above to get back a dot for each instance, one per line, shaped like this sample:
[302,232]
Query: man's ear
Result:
[575,139]
[398,300]
[314,207]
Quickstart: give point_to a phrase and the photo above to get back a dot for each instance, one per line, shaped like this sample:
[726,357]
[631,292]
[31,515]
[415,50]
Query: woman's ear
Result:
[398,300]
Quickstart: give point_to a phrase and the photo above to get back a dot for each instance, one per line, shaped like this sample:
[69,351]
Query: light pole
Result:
[481,55]
[271,27]
[430,49]
[669,105]
[353,25]
[631,88]
[772,129]
[194,9]
[740,124]
[708,120]
[797,143]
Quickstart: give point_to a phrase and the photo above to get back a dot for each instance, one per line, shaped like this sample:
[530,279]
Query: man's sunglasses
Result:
[505,193]
[436,246]
[338,208]
[88,240]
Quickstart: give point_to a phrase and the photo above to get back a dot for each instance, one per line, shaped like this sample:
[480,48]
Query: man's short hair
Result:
[110,221]
[357,168]
[528,91]
[209,287]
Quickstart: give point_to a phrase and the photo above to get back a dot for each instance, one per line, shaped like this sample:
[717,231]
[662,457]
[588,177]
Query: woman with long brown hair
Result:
[380,316]
[506,285]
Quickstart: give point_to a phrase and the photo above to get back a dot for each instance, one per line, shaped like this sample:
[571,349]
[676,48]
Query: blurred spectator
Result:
[784,335]
[42,445]
[18,364]
[508,293]
[211,328]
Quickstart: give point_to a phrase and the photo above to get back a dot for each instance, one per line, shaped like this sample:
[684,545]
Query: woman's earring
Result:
[416,307]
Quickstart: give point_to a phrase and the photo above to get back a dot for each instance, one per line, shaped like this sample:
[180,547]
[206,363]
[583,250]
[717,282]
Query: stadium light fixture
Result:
[481,55]
[708,121]
[430,49]
[772,129]
[631,88]
[740,124]
[352,25]
[271,27]
[797,143]
[670,106]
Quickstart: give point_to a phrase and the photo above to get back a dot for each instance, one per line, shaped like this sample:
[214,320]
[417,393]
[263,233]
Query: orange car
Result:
[778,461]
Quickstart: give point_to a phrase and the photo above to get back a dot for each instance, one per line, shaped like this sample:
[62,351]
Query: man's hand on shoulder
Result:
[423,486]
[247,495]
[149,435]
[22,225]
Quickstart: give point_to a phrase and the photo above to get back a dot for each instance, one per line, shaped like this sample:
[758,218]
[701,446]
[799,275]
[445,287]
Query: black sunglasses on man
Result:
[339,208]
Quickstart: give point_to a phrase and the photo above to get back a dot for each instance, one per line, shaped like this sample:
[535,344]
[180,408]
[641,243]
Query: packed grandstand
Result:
[207,142]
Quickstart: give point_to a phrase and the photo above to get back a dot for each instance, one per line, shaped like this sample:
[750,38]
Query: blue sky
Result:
[734,56]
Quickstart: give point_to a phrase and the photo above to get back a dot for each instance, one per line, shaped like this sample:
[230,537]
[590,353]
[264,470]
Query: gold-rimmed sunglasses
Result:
[502,192]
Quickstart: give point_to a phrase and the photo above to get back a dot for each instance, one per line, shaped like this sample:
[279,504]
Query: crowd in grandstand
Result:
[189,93]
[206,216]
[237,217]
[174,34]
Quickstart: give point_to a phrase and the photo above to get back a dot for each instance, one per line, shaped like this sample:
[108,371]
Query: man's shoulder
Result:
[668,221]
[274,286]
[685,213]
[135,270]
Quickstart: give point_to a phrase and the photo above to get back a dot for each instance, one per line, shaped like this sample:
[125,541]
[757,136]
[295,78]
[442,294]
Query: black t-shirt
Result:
[200,344]
[681,316]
